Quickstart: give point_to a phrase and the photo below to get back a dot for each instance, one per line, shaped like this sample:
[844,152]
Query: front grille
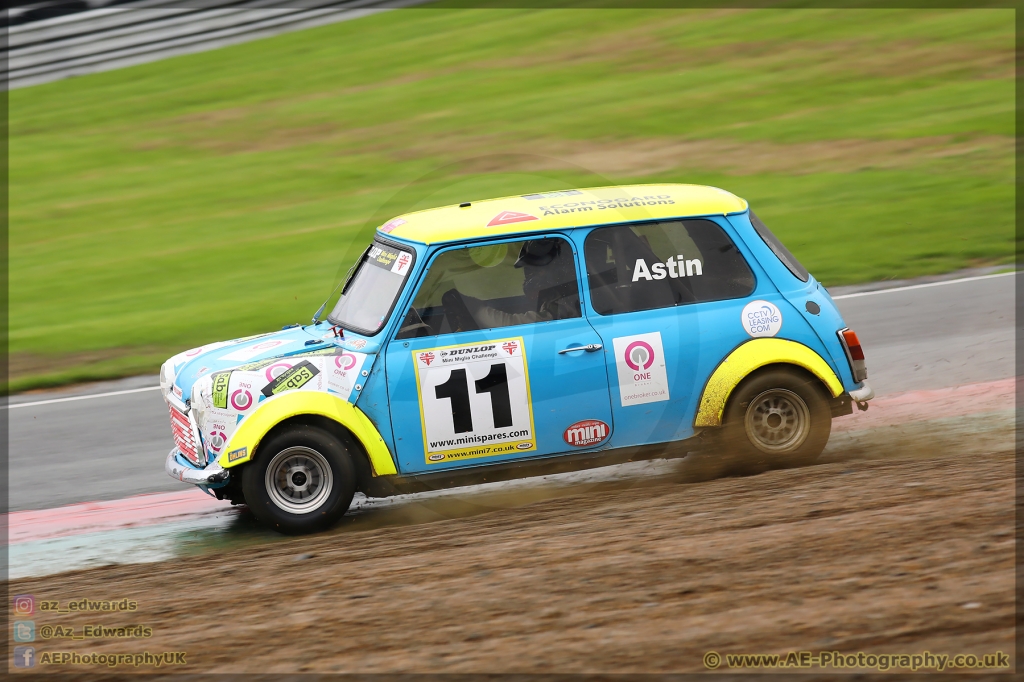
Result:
[184,437]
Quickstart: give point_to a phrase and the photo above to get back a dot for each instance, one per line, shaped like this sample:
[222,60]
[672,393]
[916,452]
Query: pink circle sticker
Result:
[241,400]
[345,361]
[639,354]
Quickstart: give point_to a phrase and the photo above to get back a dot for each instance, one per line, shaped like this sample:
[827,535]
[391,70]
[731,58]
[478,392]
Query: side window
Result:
[659,265]
[783,254]
[496,285]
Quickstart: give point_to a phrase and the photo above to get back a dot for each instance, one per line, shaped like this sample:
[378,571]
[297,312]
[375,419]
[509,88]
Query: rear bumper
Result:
[863,394]
[213,475]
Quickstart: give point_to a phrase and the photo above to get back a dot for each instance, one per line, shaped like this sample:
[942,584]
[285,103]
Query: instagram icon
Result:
[24,604]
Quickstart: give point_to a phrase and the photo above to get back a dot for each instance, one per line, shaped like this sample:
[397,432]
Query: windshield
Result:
[370,293]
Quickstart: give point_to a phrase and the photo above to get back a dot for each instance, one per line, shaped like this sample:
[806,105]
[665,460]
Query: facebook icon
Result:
[24,656]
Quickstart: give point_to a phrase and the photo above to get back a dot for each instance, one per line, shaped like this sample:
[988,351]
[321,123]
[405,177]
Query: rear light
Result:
[854,353]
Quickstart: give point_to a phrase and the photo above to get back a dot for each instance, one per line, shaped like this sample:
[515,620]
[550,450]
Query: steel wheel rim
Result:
[777,421]
[299,480]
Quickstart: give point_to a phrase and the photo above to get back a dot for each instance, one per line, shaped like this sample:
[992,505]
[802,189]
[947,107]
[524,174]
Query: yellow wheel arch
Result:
[271,412]
[750,356]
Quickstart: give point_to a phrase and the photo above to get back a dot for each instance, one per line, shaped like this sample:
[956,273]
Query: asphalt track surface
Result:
[66,447]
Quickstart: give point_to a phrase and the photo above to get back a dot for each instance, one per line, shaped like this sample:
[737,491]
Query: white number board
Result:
[474,400]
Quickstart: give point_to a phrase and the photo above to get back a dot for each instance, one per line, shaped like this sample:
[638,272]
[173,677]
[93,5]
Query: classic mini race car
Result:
[479,338]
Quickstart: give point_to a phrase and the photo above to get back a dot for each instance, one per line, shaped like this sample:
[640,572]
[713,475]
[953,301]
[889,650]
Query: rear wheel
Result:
[776,418]
[302,480]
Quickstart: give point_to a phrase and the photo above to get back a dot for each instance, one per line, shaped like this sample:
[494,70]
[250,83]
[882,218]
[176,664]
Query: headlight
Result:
[166,376]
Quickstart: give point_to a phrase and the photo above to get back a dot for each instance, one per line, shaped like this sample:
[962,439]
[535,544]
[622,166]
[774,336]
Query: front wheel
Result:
[302,480]
[777,418]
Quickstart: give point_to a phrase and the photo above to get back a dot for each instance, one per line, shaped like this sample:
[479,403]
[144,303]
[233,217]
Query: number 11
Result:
[457,390]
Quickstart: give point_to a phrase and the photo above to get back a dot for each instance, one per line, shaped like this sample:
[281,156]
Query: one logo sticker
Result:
[640,365]
[356,344]
[639,355]
[217,440]
[345,361]
[586,432]
[509,217]
[241,400]
[761,318]
[342,377]
[510,347]
[240,453]
[426,358]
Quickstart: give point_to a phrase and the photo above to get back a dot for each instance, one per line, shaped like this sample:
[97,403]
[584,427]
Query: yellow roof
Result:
[562,209]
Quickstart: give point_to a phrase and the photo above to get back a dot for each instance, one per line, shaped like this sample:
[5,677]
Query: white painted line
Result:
[835,298]
[922,286]
[83,397]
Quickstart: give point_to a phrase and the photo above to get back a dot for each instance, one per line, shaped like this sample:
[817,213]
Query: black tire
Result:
[774,419]
[301,481]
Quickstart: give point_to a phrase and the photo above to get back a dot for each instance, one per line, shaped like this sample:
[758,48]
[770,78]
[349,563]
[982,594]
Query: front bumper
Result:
[214,474]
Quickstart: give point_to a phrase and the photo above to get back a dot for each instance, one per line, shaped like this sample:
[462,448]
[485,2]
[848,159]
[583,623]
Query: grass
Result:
[214,195]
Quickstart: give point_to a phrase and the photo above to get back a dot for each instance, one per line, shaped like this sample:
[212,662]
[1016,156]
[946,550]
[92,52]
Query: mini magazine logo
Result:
[586,432]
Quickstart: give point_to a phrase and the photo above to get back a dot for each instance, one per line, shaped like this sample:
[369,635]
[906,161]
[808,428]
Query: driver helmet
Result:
[538,252]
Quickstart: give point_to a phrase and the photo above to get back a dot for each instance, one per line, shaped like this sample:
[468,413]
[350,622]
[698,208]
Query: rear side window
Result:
[659,265]
[788,259]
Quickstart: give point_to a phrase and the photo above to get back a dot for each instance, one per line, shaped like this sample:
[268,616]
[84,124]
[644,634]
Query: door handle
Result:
[590,348]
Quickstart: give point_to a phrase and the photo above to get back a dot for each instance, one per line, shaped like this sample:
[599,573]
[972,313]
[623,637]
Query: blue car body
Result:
[581,384]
